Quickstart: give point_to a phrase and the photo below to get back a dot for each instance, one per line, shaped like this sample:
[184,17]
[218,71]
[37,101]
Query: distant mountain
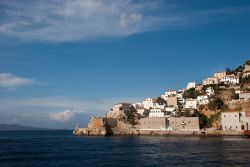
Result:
[16,127]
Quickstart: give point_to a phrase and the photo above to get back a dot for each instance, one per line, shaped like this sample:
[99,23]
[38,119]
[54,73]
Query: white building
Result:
[234,121]
[191,85]
[202,100]
[220,75]
[179,96]
[210,91]
[170,93]
[210,81]
[190,104]
[230,80]
[246,71]
[149,103]
[156,112]
[159,106]
[141,111]
[244,96]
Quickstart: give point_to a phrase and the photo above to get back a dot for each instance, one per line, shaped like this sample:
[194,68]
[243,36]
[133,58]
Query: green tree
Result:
[216,104]
[191,93]
[160,101]
[131,115]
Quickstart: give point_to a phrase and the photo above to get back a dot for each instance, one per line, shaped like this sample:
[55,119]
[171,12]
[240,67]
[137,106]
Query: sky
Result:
[63,61]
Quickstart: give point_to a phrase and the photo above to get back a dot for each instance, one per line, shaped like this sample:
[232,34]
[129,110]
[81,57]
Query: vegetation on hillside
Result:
[191,93]
[160,101]
[131,115]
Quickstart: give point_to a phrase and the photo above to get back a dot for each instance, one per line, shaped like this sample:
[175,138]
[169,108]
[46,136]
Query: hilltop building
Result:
[119,109]
[246,71]
[202,100]
[220,75]
[230,80]
[190,104]
[170,93]
[210,81]
[171,101]
[149,103]
[244,96]
[191,85]
[210,91]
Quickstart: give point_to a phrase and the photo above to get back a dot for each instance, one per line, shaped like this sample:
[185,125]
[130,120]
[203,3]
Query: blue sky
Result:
[64,61]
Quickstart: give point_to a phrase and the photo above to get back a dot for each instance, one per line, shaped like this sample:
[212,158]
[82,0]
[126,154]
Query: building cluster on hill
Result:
[181,110]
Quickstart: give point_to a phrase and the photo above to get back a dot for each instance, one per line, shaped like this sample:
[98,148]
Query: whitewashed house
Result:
[235,121]
[230,80]
[141,111]
[170,93]
[180,98]
[210,91]
[191,85]
[220,75]
[156,112]
[210,81]
[157,105]
[246,71]
[202,100]
[149,103]
[190,104]
[244,96]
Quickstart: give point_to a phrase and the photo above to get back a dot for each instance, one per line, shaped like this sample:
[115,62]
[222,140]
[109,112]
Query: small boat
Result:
[247,133]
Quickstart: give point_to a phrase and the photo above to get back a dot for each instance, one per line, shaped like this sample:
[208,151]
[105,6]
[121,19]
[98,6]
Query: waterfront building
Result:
[235,121]
[153,123]
[184,124]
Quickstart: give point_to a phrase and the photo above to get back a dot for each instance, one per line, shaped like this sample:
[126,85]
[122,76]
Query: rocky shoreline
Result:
[137,132]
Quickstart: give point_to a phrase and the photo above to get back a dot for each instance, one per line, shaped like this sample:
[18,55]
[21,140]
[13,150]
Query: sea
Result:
[62,148]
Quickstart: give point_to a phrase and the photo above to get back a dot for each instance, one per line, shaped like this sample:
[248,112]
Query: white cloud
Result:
[8,80]
[72,20]
[65,115]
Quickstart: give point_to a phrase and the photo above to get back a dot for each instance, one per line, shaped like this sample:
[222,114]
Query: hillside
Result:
[16,127]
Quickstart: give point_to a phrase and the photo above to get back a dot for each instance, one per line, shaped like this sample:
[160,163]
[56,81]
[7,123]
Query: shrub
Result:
[131,115]
[216,104]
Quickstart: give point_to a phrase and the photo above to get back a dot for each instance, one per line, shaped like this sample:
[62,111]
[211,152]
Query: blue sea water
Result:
[61,148]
